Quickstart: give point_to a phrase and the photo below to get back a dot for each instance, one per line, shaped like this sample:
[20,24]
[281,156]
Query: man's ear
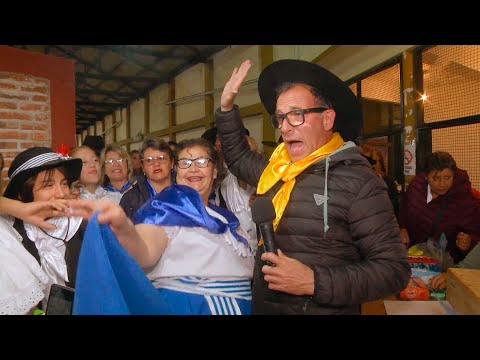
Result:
[328,119]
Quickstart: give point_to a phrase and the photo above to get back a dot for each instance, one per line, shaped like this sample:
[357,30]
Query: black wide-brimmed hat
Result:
[348,119]
[34,160]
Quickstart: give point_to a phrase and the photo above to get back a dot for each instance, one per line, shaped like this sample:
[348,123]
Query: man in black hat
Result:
[339,243]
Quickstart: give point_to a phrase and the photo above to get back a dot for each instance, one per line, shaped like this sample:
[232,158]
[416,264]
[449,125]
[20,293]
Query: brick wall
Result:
[37,102]
[25,115]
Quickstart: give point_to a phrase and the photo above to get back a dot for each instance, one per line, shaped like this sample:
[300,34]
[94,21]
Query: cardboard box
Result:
[463,290]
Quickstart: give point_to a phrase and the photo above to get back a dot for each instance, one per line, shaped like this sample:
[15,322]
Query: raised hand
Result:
[36,212]
[108,213]
[232,86]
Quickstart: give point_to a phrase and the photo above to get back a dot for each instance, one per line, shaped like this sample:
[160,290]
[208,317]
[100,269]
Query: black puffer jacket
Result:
[134,198]
[360,258]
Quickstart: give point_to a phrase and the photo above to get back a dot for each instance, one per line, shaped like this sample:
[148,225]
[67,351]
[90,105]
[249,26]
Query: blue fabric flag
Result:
[109,281]
[181,205]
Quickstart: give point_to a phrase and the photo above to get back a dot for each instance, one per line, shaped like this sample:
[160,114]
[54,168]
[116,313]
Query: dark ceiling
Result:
[109,77]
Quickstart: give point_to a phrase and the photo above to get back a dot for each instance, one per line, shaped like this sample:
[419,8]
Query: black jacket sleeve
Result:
[243,162]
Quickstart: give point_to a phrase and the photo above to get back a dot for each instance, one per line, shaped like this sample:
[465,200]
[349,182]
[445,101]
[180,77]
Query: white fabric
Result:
[224,287]
[51,250]
[429,194]
[238,202]
[193,251]
[114,196]
[22,281]
[99,194]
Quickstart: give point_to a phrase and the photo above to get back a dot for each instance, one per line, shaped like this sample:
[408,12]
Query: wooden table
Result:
[376,307]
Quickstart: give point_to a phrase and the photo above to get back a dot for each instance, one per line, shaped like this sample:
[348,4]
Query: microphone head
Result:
[263,210]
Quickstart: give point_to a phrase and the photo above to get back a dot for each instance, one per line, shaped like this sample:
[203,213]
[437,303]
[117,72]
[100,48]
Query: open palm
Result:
[232,86]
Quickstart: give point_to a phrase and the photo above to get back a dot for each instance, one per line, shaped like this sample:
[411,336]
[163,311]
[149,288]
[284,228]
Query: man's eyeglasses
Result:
[295,117]
[201,162]
[150,160]
[111,162]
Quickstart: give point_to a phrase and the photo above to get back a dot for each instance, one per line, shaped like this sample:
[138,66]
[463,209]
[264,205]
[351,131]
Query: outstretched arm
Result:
[34,212]
[244,163]
[144,242]
[232,86]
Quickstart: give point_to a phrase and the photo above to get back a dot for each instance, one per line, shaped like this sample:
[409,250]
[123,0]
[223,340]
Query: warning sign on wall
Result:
[409,163]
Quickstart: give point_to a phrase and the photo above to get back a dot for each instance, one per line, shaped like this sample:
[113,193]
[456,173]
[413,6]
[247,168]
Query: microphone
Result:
[263,214]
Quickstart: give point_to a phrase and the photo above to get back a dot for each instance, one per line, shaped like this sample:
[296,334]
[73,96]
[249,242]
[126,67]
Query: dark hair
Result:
[320,99]
[134,152]
[157,144]
[26,191]
[211,152]
[95,142]
[210,135]
[438,161]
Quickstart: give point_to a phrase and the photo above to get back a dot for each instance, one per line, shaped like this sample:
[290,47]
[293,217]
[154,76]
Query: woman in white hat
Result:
[22,281]
[39,174]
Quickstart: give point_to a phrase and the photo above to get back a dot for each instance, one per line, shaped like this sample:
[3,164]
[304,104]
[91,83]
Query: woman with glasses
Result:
[88,186]
[157,163]
[36,175]
[117,172]
[193,252]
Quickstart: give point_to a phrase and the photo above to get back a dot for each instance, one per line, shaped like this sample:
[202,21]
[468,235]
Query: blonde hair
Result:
[123,154]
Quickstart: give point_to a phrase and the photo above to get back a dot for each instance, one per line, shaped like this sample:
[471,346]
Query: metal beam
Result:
[106,92]
[97,113]
[141,51]
[197,52]
[114,77]
[92,103]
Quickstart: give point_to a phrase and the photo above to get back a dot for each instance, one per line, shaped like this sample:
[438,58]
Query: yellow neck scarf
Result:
[281,168]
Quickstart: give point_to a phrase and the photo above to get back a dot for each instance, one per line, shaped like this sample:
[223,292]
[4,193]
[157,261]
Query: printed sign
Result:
[409,163]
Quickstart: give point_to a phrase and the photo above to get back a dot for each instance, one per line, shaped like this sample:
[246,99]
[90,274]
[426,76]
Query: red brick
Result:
[27,126]
[7,86]
[8,105]
[8,162]
[26,145]
[8,135]
[15,76]
[15,115]
[41,81]
[8,96]
[31,107]
[9,154]
[40,89]
[8,124]
[40,117]
[7,144]
[39,98]
[39,136]
[38,126]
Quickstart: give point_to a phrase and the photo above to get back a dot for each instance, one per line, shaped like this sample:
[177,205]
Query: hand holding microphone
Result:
[263,215]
